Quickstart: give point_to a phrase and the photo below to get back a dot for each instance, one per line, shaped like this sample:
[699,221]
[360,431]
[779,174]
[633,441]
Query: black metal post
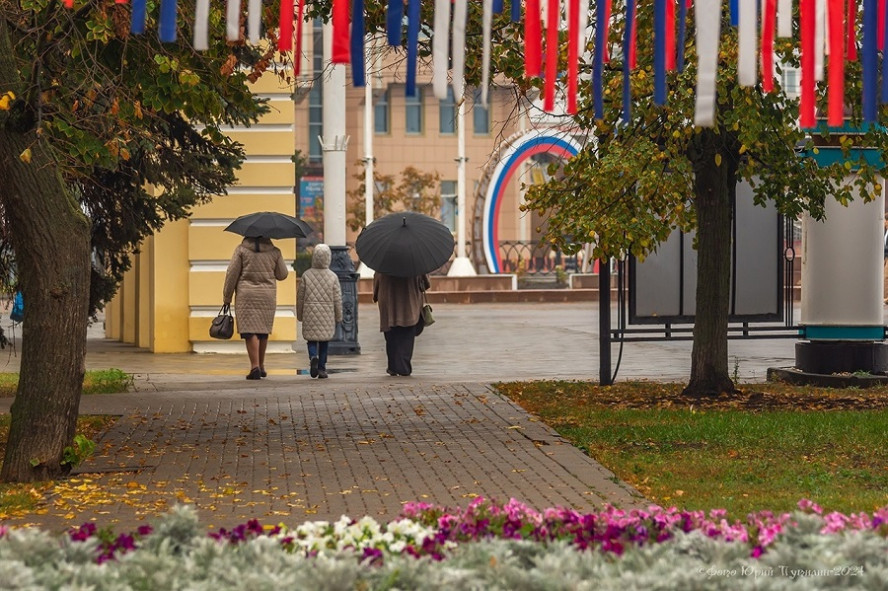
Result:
[345,341]
[604,322]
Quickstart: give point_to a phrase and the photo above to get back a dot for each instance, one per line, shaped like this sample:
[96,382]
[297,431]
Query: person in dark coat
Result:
[252,276]
[400,305]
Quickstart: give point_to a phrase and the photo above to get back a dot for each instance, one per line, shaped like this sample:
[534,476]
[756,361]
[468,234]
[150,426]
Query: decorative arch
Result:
[555,142]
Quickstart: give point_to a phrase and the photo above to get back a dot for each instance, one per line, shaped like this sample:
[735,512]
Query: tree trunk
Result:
[709,356]
[50,235]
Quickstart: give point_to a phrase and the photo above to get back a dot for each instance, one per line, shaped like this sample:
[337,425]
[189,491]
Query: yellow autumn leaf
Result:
[26,156]
[718,159]
[6,100]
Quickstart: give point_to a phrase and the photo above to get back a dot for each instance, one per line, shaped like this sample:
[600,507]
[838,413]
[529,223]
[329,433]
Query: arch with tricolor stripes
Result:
[538,141]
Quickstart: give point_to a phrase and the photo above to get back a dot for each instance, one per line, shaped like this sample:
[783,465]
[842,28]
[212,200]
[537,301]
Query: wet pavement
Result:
[290,448]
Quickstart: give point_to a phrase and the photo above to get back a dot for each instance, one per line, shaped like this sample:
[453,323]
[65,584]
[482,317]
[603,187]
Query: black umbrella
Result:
[269,224]
[405,244]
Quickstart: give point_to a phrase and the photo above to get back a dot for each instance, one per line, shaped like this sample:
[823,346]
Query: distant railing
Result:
[521,257]
[528,257]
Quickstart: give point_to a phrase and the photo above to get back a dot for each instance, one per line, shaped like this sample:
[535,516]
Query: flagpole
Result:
[364,271]
[462,266]
[334,144]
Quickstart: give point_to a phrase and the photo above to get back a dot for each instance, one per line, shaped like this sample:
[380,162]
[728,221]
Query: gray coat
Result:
[319,298]
[252,277]
[399,299]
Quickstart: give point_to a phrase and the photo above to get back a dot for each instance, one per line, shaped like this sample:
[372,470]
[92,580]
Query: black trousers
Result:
[399,349]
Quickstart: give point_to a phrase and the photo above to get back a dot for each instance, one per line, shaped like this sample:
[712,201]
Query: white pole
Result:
[462,266]
[523,221]
[364,271]
[334,144]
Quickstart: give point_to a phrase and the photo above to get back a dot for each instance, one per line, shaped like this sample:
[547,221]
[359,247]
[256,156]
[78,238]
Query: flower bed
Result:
[485,545]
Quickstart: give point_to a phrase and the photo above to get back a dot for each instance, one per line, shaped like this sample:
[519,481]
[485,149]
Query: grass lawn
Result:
[97,381]
[22,497]
[766,447]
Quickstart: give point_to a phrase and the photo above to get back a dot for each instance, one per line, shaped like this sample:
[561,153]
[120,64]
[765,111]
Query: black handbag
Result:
[223,324]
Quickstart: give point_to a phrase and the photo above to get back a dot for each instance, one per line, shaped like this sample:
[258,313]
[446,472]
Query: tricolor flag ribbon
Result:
[458,51]
[232,20]
[553,22]
[769,20]
[285,25]
[440,48]
[784,18]
[357,44]
[598,59]
[807,16]
[340,48]
[486,23]
[167,29]
[573,57]
[633,53]
[497,6]
[869,61]
[882,5]
[137,22]
[707,18]
[747,37]
[735,13]
[393,16]
[584,24]
[883,16]
[254,31]
[412,45]
[533,33]
[836,100]
[628,43]
[660,52]
[670,35]
[297,58]
[820,40]
[516,11]
[201,24]
[607,19]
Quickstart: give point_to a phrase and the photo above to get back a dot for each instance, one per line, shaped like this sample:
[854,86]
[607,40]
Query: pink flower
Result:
[810,507]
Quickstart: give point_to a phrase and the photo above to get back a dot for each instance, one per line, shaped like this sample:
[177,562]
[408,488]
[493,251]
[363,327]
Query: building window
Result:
[480,115]
[447,113]
[381,113]
[413,113]
[791,82]
[449,204]
[316,96]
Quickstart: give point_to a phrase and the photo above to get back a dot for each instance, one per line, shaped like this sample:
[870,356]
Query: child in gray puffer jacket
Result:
[319,308]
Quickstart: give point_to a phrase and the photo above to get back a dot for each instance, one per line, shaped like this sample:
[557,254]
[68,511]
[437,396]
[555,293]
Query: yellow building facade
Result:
[174,289]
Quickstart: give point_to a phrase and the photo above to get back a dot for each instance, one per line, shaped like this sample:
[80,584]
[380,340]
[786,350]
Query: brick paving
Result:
[289,448]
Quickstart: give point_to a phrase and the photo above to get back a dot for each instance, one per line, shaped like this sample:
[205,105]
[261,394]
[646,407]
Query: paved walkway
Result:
[289,448]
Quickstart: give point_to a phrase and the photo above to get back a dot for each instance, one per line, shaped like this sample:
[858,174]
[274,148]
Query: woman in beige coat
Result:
[252,275]
[319,308]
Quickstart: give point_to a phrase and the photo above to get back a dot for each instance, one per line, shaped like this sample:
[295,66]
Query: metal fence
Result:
[528,257]
[521,257]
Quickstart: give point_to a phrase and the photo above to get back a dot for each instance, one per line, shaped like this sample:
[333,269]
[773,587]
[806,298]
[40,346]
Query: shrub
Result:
[804,550]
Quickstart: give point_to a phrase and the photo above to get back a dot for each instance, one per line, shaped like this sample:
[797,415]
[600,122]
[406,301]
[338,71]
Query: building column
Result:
[334,144]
